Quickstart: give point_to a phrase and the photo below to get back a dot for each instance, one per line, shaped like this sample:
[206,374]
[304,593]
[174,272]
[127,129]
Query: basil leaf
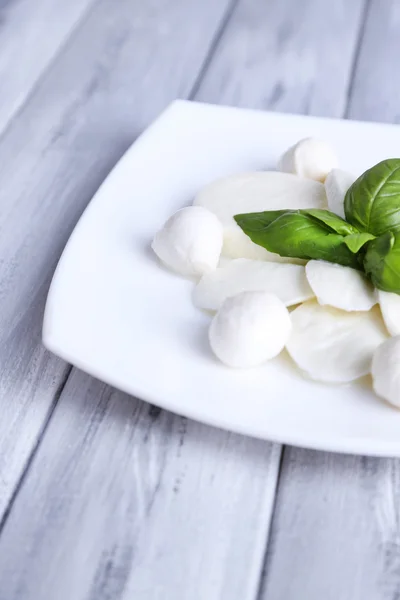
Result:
[382,262]
[356,241]
[333,221]
[260,220]
[372,203]
[297,235]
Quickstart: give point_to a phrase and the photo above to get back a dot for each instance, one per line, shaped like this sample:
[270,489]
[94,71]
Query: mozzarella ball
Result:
[190,242]
[249,329]
[386,370]
[336,185]
[310,158]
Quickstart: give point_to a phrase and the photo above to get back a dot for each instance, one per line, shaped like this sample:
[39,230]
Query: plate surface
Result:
[115,313]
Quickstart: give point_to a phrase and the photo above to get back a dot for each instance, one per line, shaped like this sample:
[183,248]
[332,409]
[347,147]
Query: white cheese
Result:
[337,183]
[340,287]
[390,307]
[332,345]
[386,371]
[311,158]
[288,282]
[190,242]
[249,329]
[256,192]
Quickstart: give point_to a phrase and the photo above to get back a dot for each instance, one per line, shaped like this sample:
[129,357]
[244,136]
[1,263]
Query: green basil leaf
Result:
[356,241]
[298,235]
[334,222]
[382,262]
[260,220]
[372,203]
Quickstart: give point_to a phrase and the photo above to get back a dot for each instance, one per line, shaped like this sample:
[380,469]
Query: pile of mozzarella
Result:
[338,328]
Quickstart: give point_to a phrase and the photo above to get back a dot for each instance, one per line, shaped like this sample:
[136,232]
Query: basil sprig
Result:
[307,234]
[368,240]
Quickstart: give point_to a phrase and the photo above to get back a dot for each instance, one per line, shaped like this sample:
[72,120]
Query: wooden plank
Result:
[31,33]
[285,56]
[79,119]
[134,502]
[374,93]
[336,529]
[122,531]
[28,387]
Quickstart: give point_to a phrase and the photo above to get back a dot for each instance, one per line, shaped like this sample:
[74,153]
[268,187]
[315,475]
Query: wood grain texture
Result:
[27,374]
[80,118]
[375,89]
[337,523]
[31,34]
[134,502]
[285,56]
[336,529]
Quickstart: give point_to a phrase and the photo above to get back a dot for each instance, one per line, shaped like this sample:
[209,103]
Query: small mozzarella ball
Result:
[190,242]
[337,183]
[249,329]
[310,158]
[386,370]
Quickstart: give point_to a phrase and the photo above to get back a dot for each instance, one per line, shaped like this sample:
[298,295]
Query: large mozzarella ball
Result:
[311,158]
[190,242]
[386,370]
[249,329]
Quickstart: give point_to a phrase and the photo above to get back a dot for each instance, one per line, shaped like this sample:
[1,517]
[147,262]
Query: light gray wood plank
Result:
[131,502]
[107,83]
[31,33]
[206,540]
[287,56]
[337,522]
[336,529]
[30,36]
[375,90]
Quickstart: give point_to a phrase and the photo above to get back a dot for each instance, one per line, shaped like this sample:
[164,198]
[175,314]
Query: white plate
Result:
[114,312]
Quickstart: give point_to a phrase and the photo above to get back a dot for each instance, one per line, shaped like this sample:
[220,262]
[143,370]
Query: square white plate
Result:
[115,313]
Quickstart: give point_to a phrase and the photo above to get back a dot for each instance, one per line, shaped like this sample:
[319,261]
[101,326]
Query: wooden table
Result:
[103,497]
